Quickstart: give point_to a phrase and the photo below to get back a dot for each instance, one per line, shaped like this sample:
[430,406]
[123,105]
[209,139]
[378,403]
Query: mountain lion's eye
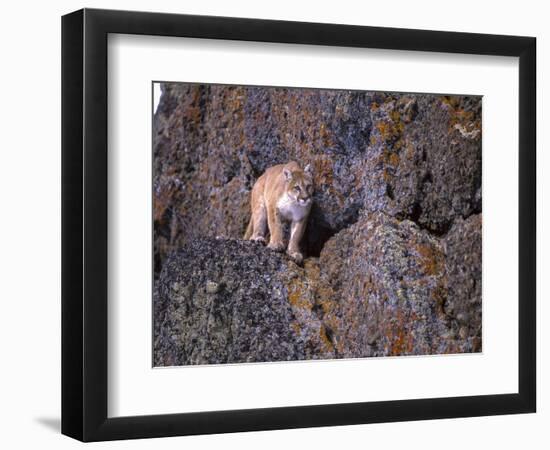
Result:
[297,188]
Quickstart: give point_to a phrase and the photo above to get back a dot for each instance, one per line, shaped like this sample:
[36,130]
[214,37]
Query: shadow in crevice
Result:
[317,233]
[319,230]
[314,240]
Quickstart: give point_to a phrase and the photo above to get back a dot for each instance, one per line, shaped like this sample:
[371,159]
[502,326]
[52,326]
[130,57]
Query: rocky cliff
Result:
[393,244]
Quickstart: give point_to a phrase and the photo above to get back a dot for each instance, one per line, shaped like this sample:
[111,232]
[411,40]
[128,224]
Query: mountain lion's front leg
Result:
[296,233]
[275,229]
[259,224]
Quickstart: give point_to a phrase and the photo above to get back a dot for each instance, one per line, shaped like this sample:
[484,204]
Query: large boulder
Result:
[227,301]
[395,291]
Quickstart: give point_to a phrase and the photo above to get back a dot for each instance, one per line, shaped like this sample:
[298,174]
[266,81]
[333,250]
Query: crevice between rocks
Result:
[442,229]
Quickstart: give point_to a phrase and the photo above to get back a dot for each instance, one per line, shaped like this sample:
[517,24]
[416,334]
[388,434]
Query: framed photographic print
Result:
[274,225]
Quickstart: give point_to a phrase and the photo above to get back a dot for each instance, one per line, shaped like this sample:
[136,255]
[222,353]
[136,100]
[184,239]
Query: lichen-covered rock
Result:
[428,159]
[226,301]
[389,281]
[392,246]
[411,156]
[381,287]
[463,265]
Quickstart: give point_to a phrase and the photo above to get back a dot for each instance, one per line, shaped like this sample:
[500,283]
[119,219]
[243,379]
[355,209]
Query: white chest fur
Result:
[292,210]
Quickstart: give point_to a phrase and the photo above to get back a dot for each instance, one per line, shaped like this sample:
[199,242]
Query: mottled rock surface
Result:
[412,156]
[463,266]
[393,244]
[391,290]
[224,301]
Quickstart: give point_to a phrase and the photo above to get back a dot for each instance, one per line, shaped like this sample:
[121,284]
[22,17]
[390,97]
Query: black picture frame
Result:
[84,224]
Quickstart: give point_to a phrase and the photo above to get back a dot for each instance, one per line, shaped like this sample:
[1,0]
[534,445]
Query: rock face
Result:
[393,243]
[414,157]
[391,290]
[224,301]
[463,266]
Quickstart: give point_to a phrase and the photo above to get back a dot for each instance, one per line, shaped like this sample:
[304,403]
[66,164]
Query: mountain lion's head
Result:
[299,185]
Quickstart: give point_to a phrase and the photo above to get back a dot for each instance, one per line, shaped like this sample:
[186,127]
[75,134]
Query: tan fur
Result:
[282,194]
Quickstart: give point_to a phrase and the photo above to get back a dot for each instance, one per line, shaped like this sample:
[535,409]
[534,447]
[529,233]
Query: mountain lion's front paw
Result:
[297,257]
[259,239]
[276,246]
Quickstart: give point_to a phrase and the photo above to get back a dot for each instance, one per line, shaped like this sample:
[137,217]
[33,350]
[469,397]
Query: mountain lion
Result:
[282,194]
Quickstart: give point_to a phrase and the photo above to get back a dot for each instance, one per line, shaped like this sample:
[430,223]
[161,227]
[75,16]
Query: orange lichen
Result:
[450,100]
[325,298]
[322,169]
[385,130]
[430,259]
[401,341]
[395,116]
[390,130]
[464,121]
[393,159]
[439,295]
[297,294]
[327,343]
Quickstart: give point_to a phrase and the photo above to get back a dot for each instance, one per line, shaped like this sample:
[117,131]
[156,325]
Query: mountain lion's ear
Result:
[287,173]
[308,169]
